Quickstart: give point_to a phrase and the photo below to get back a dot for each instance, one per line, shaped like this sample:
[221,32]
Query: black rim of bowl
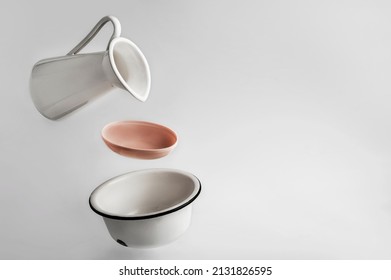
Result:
[147,216]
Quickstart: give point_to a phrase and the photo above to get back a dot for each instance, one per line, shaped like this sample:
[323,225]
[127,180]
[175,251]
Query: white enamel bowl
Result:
[146,208]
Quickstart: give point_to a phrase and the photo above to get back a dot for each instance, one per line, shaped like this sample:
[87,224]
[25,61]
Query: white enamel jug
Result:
[60,85]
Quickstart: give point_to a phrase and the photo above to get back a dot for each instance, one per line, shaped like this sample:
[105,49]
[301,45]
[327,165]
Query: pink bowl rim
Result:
[144,123]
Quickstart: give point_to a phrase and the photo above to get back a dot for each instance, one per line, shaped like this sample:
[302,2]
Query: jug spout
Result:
[61,85]
[127,68]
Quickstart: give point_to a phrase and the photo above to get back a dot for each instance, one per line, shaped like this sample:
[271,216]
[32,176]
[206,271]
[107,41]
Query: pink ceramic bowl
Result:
[139,139]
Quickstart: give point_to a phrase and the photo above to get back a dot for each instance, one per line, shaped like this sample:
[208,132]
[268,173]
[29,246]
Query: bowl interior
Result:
[139,135]
[144,193]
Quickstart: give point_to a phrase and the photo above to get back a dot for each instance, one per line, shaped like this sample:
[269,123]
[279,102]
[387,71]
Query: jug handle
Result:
[95,30]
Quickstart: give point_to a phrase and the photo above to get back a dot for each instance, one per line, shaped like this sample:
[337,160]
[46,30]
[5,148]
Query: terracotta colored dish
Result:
[138,139]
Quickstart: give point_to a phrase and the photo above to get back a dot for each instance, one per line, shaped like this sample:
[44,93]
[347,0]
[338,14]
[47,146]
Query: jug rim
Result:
[127,87]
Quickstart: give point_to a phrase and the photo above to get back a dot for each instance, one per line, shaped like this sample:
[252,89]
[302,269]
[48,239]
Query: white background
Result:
[282,110]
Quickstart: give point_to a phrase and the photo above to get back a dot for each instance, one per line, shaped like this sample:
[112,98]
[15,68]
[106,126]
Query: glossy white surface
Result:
[144,192]
[63,84]
[282,109]
[150,233]
[130,67]
[146,208]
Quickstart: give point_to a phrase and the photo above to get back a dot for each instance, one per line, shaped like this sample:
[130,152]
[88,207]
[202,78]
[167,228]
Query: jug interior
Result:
[131,67]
